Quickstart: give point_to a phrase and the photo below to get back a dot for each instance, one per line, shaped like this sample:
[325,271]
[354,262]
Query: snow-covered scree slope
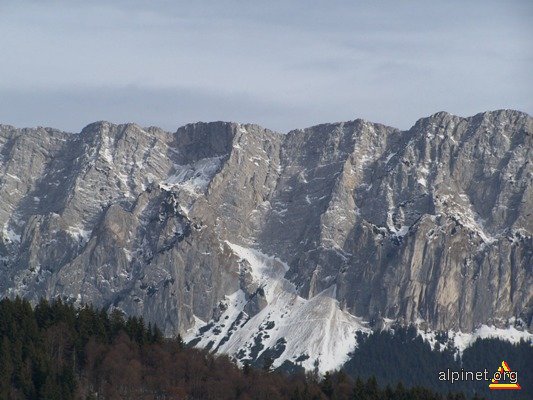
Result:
[313,333]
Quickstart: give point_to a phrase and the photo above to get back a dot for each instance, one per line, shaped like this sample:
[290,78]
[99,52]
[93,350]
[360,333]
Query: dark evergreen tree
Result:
[56,351]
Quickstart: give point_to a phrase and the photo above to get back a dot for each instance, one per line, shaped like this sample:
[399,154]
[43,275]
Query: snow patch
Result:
[466,216]
[389,157]
[190,333]
[10,235]
[462,341]
[193,178]
[510,334]
[79,233]
[399,233]
[13,177]
[105,150]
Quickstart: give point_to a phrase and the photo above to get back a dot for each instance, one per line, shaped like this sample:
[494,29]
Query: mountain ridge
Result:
[150,127]
[431,225]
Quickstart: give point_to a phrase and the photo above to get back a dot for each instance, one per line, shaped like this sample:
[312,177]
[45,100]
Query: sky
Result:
[280,64]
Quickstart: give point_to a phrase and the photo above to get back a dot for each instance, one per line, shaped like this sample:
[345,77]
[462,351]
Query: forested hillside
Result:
[56,351]
[401,355]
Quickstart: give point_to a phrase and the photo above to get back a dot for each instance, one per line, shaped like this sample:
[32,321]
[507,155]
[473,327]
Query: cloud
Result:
[276,63]
[72,109]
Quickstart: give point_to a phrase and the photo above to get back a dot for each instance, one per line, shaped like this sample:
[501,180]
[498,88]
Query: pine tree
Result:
[267,363]
[246,368]
[6,368]
[51,389]
[327,385]
[179,340]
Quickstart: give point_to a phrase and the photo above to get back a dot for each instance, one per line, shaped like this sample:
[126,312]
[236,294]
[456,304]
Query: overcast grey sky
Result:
[281,64]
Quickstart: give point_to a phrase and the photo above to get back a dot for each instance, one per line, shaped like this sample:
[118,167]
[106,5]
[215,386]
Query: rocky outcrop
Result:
[433,224]
[430,224]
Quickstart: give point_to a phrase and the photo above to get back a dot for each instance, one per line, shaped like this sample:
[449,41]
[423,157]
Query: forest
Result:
[57,351]
[401,355]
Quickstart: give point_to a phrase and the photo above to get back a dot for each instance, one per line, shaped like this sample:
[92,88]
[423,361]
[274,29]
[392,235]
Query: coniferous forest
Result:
[401,355]
[56,351]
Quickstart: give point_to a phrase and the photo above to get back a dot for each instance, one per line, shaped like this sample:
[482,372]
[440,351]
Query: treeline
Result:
[403,356]
[56,351]
[45,352]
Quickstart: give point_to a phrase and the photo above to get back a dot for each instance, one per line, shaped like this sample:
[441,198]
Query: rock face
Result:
[433,224]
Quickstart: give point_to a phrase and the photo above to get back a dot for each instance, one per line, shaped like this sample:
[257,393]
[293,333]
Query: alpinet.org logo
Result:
[505,379]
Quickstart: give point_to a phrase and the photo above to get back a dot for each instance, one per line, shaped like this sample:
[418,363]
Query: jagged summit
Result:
[500,113]
[431,226]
